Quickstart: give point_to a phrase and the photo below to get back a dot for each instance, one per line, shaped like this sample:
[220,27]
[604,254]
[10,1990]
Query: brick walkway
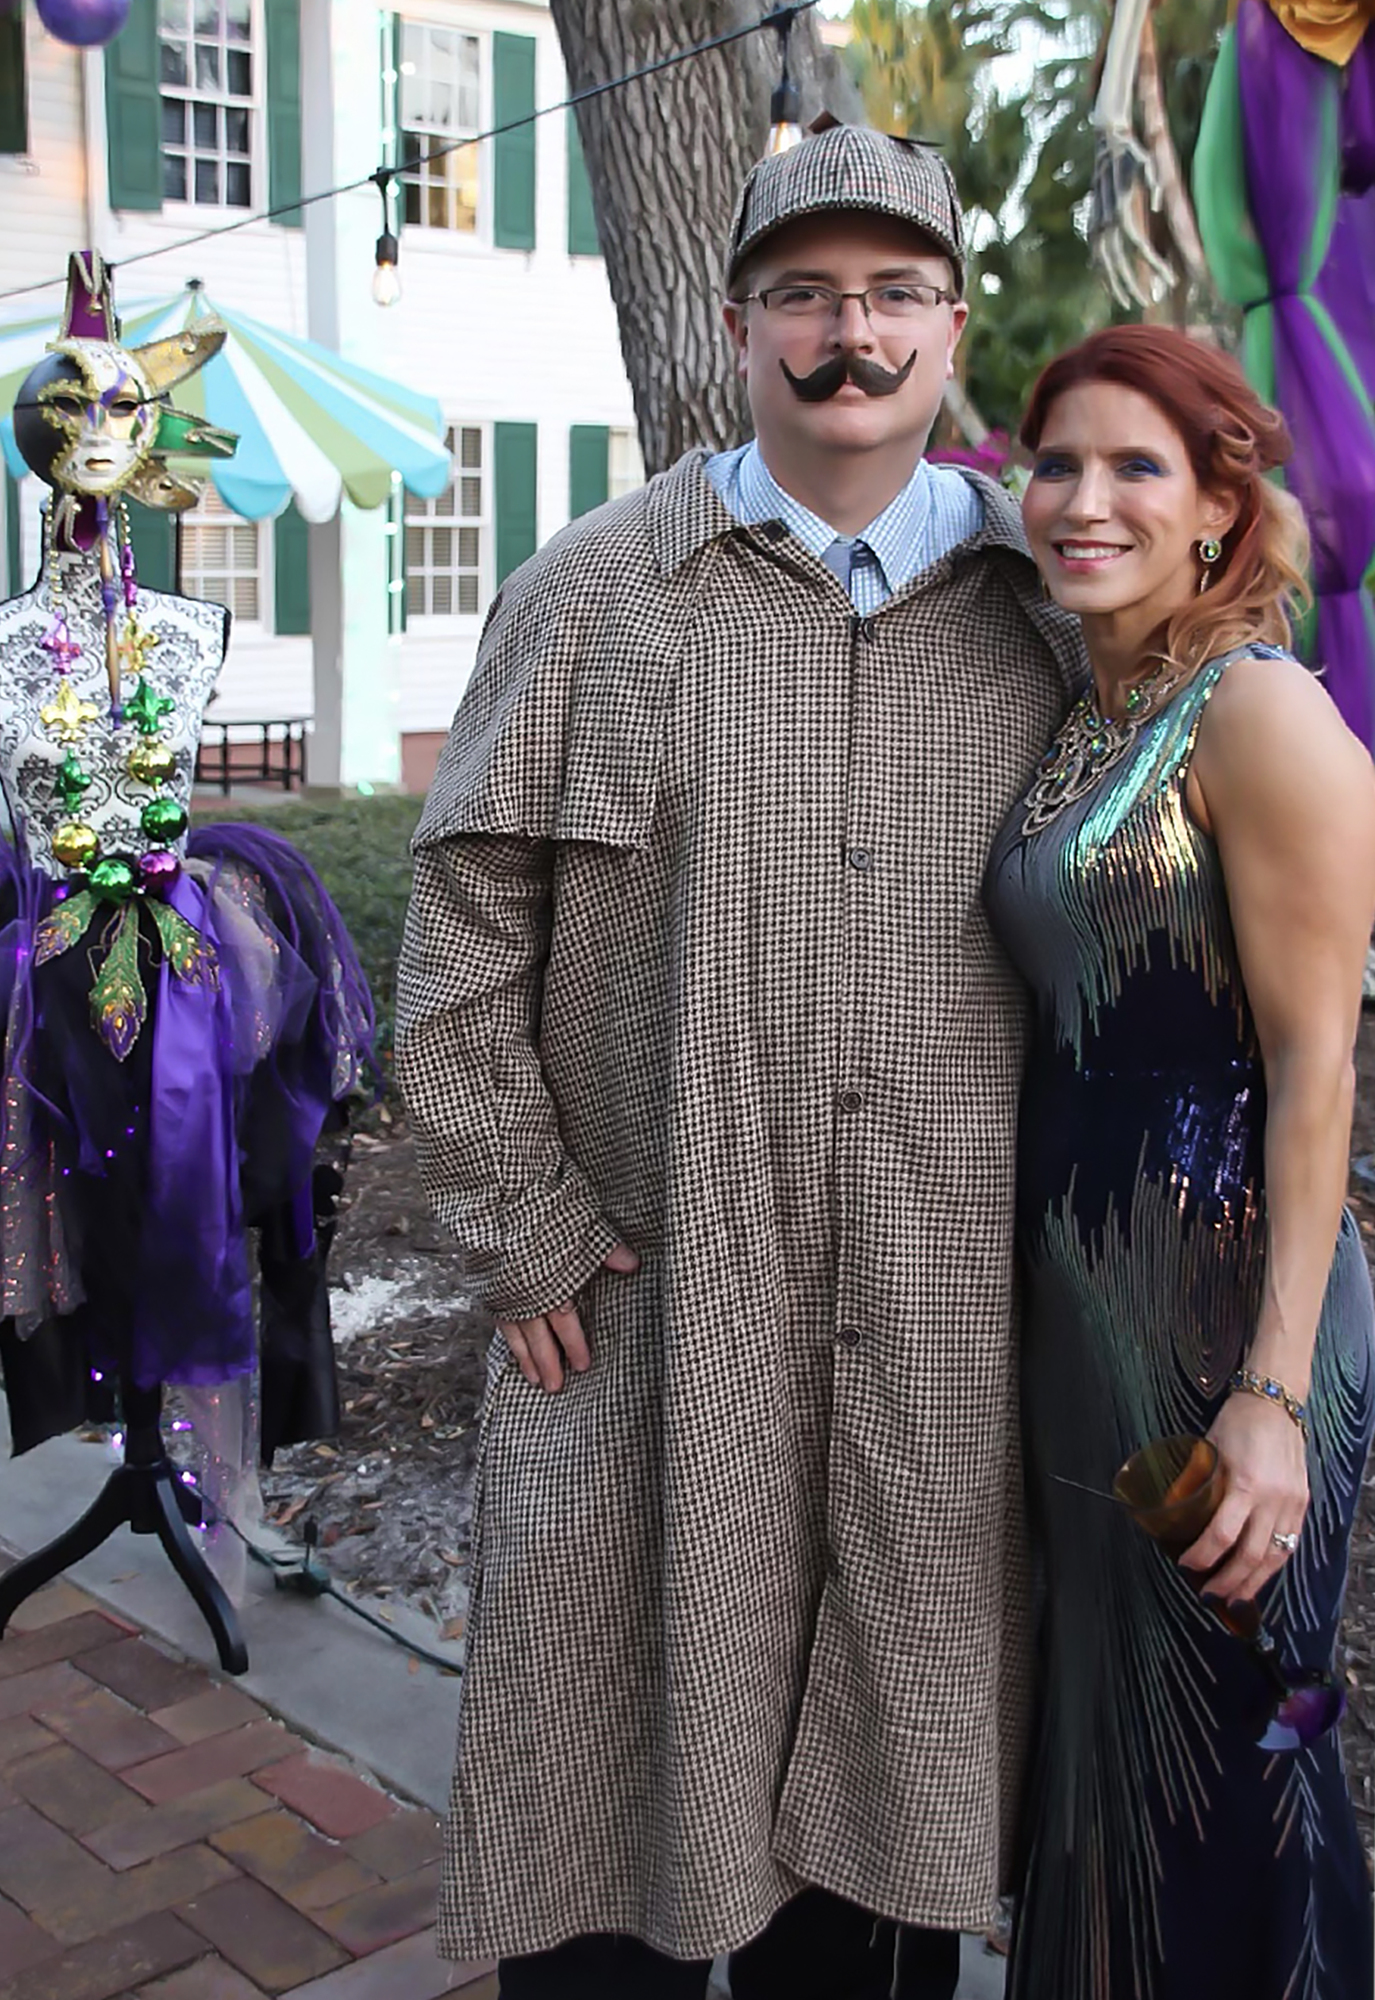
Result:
[162,1835]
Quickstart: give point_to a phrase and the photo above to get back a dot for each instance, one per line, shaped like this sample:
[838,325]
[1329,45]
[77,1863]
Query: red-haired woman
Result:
[1188,887]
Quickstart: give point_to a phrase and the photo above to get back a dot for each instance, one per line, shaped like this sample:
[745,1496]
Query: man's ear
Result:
[736,317]
[959,314]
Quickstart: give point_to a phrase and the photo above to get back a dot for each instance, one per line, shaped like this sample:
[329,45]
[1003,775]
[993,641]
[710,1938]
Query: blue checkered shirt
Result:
[936,510]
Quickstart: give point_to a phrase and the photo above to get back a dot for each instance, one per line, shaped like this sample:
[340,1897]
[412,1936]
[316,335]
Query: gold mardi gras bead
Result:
[151,763]
[75,844]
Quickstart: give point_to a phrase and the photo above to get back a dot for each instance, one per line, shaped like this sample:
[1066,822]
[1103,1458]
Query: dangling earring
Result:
[1209,550]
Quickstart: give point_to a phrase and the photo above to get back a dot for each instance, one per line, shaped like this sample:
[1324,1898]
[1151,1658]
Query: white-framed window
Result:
[447,539]
[210,56]
[625,466]
[222,557]
[439,101]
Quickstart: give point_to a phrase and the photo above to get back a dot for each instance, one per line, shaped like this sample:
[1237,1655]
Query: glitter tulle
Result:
[128,1188]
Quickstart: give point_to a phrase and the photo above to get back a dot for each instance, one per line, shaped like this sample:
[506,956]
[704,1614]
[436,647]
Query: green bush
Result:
[360,848]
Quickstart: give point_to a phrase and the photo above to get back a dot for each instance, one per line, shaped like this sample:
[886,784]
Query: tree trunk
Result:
[666,158]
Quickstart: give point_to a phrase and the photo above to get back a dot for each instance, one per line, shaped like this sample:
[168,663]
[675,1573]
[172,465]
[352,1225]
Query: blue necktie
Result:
[840,560]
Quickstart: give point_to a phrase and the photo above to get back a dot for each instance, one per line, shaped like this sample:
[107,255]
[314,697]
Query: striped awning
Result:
[311,427]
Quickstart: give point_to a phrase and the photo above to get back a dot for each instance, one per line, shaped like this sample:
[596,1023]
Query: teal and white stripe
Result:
[311,427]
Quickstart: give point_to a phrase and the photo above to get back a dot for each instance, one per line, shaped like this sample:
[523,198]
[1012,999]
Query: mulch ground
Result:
[390,1499]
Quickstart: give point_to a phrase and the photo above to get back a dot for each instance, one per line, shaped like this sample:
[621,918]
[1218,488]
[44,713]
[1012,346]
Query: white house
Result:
[203,111]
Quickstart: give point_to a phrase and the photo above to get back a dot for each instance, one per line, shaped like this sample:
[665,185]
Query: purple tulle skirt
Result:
[128,1186]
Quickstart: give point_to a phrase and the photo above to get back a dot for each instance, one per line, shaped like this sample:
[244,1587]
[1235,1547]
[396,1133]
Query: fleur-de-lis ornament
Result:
[58,641]
[145,709]
[67,716]
[135,644]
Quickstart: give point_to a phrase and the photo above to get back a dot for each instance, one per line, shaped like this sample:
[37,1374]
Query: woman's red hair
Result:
[1233,441]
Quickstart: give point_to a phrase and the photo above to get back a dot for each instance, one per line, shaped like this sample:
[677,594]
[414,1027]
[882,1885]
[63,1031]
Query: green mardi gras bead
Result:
[163,821]
[113,879]
[71,781]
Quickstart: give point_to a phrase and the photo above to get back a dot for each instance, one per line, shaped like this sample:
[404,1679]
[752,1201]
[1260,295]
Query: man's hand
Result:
[540,1345]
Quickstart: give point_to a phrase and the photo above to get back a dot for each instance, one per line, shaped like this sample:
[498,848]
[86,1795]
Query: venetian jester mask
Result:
[93,420]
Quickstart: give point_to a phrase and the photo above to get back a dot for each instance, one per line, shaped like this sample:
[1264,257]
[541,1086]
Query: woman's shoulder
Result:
[1270,725]
[1267,685]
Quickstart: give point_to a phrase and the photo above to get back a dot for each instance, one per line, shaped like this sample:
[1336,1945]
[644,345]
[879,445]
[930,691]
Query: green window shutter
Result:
[291,572]
[513,153]
[14,582]
[154,535]
[133,115]
[284,107]
[515,456]
[14,96]
[588,448]
[583,240]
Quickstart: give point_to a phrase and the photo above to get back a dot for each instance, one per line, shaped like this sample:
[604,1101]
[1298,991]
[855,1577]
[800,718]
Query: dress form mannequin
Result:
[184,1017]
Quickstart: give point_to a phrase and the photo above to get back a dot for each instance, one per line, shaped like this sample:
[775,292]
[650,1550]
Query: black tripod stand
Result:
[147,1492]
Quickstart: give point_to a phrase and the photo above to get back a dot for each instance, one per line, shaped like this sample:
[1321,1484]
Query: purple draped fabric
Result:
[1290,104]
[244,1071]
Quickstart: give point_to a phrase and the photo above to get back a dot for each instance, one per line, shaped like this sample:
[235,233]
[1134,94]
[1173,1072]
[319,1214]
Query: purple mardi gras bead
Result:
[58,641]
[83,24]
[158,871]
[126,564]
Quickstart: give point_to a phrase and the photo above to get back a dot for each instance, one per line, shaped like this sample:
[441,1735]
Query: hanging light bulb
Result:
[785,118]
[386,279]
[785,106]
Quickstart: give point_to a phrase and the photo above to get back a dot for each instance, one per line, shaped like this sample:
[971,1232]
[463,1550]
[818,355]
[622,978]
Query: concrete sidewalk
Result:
[169,1833]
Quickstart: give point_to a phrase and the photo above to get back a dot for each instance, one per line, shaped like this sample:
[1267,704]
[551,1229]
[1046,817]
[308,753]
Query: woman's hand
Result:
[1262,1449]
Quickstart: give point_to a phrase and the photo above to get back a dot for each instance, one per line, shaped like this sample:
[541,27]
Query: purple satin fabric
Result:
[1297,127]
[194,1244]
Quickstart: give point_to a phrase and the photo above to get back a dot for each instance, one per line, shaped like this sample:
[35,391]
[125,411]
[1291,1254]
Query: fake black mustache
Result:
[830,378]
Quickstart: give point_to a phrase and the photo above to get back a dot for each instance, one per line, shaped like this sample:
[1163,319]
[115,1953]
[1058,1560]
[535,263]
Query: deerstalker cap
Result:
[838,167]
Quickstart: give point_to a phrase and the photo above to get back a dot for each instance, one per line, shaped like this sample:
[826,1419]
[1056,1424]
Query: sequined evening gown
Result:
[1168,1858]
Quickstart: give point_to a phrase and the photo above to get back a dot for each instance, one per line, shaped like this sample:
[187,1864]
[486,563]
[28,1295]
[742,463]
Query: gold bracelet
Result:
[1273,1392]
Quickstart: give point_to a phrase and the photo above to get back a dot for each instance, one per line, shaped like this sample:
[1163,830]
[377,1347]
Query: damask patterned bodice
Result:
[182,662]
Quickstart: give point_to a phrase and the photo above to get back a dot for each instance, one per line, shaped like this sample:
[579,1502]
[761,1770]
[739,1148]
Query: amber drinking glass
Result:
[1172,1488]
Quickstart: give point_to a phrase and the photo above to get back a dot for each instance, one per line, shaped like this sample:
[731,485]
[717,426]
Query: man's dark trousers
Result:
[818,1947]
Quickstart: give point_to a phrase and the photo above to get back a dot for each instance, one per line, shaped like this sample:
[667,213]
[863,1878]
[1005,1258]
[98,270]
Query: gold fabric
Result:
[1331,29]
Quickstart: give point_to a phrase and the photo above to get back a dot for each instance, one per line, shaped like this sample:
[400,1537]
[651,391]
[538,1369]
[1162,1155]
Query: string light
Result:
[780,17]
[386,279]
[785,106]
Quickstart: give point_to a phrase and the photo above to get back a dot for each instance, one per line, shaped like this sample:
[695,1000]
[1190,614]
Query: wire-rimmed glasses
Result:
[897,301]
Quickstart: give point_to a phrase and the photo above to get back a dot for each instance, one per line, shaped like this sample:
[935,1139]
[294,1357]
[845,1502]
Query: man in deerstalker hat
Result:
[713,1066]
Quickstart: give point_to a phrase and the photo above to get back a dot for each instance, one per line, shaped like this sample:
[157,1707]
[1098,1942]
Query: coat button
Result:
[862,859]
[851,1100]
[849,1336]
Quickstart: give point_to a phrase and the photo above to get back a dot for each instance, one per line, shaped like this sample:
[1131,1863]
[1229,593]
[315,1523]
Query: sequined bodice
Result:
[1119,893]
[1143,1058]
[51,719]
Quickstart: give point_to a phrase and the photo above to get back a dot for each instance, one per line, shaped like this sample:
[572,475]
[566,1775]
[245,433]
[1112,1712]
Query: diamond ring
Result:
[1286,1542]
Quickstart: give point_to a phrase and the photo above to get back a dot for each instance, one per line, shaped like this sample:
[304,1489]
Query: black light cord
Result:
[781,18]
[307,1577]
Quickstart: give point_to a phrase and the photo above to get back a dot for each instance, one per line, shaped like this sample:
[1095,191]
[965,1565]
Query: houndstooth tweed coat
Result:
[696,958]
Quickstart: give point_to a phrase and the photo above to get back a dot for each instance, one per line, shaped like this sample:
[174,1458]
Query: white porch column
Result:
[357,665]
